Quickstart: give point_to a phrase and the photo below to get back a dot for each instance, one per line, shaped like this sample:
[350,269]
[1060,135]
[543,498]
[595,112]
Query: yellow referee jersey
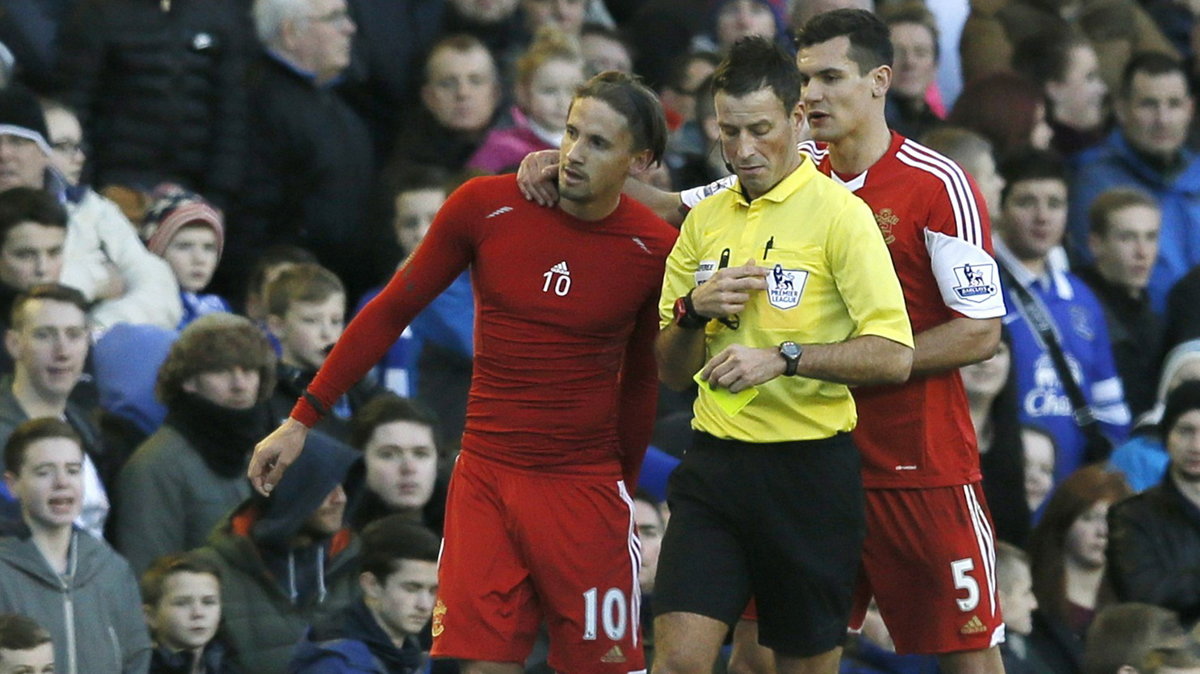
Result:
[829,279]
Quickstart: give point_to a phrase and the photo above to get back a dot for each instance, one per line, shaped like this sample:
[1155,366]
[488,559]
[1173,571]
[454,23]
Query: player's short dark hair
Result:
[52,292]
[31,431]
[385,409]
[307,282]
[1150,63]
[755,63]
[21,633]
[1031,165]
[634,101]
[1114,199]
[870,39]
[388,541]
[1124,634]
[155,578]
[25,204]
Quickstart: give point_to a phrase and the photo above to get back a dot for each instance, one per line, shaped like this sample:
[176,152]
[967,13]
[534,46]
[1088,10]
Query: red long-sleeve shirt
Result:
[564,373]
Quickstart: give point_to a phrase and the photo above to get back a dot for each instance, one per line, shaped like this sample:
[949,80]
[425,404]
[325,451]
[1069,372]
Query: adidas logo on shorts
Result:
[614,654]
[973,626]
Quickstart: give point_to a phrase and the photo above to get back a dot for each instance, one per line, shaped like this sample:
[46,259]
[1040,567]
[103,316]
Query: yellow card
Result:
[730,403]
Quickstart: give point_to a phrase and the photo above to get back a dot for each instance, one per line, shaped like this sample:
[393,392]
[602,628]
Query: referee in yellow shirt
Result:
[769,502]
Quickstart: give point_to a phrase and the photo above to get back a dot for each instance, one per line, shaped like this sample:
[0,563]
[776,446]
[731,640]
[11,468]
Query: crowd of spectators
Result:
[194,194]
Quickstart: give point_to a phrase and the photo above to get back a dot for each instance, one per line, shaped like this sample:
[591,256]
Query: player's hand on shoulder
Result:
[274,454]
[738,367]
[729,290]
[537,177]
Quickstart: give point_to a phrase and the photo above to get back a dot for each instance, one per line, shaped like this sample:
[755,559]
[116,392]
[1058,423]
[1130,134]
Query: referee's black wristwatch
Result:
[791,352]
[686,315]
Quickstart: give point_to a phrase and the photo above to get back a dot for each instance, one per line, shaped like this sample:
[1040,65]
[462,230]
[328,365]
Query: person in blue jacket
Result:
[1033,216]
[378,633]
[1154,110]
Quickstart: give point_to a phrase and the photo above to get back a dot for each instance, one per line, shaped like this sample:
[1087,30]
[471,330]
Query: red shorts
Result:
[523,547]
[930,562]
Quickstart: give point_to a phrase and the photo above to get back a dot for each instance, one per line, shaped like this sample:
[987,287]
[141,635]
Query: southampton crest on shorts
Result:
[976,282]
[784,287]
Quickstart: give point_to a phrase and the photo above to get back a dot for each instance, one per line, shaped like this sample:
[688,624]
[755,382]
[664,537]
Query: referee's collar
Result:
[786,187]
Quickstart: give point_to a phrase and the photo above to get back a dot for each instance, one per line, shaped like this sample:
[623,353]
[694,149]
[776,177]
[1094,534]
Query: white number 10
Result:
[613,613]
[959,568]
[562,285]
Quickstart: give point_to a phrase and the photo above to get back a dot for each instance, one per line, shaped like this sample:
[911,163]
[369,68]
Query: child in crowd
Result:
[73,584]
[397,439]
[1017,602]
[188,232]
[306,312]
[547,75]
[25,648]
[378,633]
[181,597]
[1067,560]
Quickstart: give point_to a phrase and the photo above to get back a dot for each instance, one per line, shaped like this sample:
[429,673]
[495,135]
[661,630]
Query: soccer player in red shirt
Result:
[539,522]
[928,558]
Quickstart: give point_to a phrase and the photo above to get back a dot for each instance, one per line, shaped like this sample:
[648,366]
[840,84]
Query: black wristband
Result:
[316,403]
[689,318]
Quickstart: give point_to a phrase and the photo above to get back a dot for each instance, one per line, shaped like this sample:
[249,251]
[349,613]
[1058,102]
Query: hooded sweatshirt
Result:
[93,613]
[272,591]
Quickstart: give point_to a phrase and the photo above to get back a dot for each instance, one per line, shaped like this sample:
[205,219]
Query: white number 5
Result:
[959,568]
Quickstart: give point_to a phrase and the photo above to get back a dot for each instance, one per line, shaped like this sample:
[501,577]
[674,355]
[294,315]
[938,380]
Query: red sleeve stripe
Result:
[958,188]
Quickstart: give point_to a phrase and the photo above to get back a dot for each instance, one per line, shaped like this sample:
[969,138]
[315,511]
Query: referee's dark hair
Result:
[870,39]
[634,101]
[756,63]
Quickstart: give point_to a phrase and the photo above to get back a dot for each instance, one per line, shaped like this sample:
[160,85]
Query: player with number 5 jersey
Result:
[539,522]
[928,557]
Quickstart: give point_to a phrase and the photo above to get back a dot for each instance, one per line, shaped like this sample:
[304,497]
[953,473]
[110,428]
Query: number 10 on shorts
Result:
[612,612]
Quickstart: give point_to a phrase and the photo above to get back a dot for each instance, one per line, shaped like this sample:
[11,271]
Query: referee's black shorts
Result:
[782,522]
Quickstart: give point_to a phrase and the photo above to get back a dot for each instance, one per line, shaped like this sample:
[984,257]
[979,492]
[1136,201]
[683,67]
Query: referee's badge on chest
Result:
[785,286]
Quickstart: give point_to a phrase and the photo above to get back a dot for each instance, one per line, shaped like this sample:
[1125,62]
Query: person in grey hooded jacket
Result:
[71,583]
[289,561]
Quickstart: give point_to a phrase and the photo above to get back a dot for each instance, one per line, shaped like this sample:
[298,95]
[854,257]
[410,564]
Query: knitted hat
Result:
[172,208]
[1184,399]
[21,115]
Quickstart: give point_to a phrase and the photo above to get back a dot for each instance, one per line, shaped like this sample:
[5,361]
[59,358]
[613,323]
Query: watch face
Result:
[789,349]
